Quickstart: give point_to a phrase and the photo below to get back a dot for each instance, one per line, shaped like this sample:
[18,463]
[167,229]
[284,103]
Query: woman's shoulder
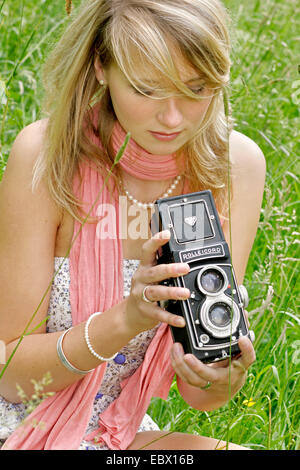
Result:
[25,151]
[245,155]
[30,139]
[17,178]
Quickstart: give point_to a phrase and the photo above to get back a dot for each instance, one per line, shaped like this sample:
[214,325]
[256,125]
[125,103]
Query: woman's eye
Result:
[198,90]
[143,92]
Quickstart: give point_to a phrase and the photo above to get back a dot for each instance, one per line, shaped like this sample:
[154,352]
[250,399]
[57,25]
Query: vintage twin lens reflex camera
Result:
[214,313]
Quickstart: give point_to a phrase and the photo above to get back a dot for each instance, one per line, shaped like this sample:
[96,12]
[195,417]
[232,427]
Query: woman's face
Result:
[160,126]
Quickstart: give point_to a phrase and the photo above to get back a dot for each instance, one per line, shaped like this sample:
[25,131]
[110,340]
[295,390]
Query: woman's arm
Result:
[28,227]
[248,178]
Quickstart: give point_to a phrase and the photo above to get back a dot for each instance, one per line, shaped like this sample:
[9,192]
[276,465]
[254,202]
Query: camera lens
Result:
[211,281]
[220,315]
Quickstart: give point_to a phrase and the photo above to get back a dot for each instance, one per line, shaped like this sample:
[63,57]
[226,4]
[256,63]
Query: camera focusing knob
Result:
[244,295]
[252,336]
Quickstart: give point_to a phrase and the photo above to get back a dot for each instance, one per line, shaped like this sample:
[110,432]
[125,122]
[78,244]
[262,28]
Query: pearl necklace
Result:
[150,205]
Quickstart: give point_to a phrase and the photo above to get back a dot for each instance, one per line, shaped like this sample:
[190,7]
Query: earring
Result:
[101,82]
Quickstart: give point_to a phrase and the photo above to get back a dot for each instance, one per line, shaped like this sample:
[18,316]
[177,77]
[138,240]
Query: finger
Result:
[154,293]
[161,272]
[208,374]
[248,355]
[247,318]
[158,314]
[183,370]
[223,363]
[150,247]
[238,366]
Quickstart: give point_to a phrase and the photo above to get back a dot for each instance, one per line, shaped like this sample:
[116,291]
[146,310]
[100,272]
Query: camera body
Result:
[214,313]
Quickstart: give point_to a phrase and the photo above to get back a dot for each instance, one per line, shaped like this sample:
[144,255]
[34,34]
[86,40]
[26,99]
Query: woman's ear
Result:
[99,72]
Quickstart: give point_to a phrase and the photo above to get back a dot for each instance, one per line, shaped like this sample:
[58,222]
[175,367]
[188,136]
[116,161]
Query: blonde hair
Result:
[120,31]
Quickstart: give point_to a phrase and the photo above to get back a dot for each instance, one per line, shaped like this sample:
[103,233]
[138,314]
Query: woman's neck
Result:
[140,164]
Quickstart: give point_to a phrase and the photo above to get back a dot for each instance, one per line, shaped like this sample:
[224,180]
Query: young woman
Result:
[157,69]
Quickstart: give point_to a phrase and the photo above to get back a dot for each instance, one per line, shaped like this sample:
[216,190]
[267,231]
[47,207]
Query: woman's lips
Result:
[165,137]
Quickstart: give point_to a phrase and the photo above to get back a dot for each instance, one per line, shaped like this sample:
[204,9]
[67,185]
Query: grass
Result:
[265,100]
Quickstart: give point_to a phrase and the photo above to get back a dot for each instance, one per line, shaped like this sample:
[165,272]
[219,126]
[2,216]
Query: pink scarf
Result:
[96,270]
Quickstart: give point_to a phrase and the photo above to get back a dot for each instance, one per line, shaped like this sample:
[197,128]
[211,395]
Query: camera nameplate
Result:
[211,251]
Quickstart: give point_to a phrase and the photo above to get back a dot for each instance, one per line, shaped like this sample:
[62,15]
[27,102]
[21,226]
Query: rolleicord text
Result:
[216,250]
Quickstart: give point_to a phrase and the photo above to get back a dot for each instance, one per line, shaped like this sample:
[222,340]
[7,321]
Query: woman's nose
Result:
[169,114]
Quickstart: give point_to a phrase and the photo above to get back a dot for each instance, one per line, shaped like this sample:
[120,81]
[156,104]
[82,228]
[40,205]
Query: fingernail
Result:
[183,268]
[183,294]
[163,234]
[177,350]
[180,322]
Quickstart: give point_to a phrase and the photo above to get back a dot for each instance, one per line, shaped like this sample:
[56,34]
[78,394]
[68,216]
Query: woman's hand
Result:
[214,378]
[141,314]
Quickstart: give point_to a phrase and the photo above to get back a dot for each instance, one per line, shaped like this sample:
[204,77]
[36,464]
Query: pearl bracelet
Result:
[63,358]
[87,339]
